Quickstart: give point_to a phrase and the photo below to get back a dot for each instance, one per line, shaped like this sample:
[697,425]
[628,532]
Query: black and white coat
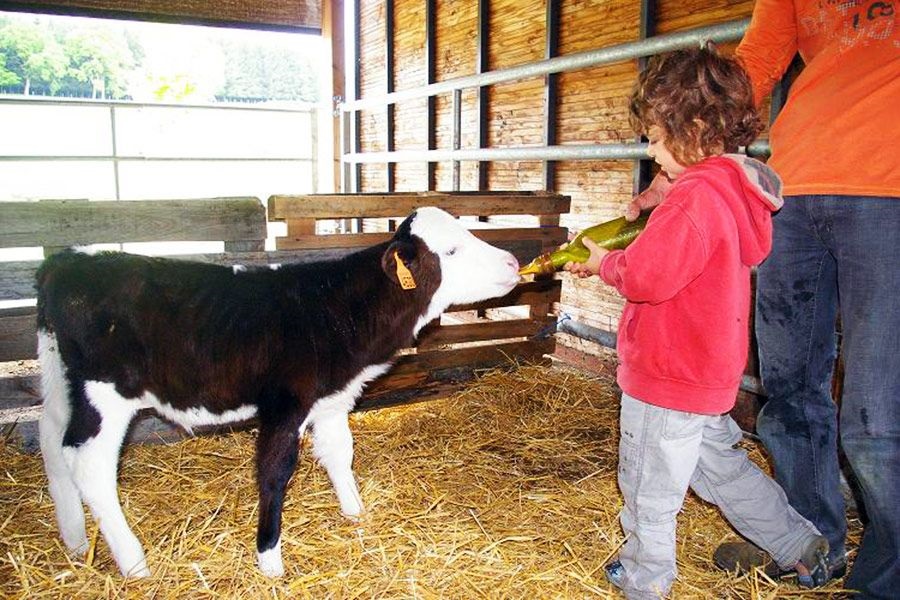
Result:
[204,344]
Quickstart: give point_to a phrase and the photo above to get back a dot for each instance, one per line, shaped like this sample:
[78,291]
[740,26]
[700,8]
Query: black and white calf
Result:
[205,344]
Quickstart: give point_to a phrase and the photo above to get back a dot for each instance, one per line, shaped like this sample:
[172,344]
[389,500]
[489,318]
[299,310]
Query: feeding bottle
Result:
[612,235]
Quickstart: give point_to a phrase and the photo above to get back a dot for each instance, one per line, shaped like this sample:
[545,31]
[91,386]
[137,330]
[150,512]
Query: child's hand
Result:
[592,265]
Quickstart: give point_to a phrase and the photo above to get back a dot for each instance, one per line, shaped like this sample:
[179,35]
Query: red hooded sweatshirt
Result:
[684,333]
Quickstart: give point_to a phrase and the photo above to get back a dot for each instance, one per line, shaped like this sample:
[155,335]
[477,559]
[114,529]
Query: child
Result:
[683,335]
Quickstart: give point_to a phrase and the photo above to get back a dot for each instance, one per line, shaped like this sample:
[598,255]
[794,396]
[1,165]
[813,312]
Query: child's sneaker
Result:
[815,559]
[615,573]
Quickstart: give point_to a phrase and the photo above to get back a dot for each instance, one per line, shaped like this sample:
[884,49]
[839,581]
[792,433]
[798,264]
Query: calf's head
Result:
[431,244]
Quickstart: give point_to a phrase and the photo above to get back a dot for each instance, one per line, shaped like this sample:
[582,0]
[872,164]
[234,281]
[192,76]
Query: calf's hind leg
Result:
[276,458]
[94,465]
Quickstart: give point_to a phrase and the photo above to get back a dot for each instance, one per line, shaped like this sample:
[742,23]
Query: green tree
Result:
[48,67]
[101,57]
[18,42]
[267,73]
[7,78]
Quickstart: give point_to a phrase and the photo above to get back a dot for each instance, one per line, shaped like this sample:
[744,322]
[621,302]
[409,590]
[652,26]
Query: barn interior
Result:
[487,457]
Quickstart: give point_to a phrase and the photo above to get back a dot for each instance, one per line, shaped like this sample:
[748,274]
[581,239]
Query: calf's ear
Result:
[397,262]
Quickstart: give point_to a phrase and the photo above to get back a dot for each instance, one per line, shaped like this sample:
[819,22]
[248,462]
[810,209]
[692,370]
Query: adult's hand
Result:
[650,197]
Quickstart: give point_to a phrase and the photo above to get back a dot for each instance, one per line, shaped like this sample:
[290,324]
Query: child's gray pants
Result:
[661,453]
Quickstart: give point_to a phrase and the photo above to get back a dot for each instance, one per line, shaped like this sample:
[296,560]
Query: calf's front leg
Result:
[333,448]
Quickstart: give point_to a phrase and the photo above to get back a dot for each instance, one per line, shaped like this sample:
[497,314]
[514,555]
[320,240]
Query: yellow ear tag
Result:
[407,282]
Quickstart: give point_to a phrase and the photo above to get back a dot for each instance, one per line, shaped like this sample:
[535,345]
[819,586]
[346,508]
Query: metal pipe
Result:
[607,339]
[457,134]
[618,151]
[722,32]
[567,152]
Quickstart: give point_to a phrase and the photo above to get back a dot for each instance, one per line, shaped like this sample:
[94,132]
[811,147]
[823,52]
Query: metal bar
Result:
[457,137]
[346,166]
[115,153]
[389,87]
[647,28]
[314,151]
[356,174]
[617,151]
[482,66]
[567,152]
[431,144]
[722,32]
[551,49]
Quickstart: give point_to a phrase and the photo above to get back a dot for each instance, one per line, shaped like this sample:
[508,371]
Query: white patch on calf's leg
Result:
[55,415]
[333,441]
[270,562]
[94,467]
[333,448]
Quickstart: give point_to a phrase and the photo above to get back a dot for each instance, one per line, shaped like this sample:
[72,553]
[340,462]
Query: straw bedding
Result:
[506,490]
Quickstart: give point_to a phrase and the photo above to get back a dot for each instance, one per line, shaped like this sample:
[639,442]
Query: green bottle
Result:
[612,235]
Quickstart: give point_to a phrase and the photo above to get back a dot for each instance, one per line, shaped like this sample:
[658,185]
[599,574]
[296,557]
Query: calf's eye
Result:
[450,252]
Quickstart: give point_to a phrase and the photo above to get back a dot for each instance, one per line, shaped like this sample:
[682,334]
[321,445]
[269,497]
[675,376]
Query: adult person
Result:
[836,248]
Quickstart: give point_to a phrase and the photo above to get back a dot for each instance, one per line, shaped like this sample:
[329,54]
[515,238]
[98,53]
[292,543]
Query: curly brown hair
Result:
[702,102]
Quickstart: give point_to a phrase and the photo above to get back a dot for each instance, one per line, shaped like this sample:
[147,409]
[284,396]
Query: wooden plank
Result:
[541,291]
[435,336]
[18,336]
[20,391]
[341,206]
[546,235]
[72,223]
[440,363]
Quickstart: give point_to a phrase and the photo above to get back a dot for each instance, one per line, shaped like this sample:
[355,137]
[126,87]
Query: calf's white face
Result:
[471,270]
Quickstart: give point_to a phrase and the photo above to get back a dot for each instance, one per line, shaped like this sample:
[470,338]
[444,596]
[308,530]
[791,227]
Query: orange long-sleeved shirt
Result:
[839,132]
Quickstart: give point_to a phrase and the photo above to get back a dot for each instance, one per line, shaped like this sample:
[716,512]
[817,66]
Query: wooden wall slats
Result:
[73,223]
[592,104]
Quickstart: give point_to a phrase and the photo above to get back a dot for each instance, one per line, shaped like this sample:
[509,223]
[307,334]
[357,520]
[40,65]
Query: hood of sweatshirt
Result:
[752,191]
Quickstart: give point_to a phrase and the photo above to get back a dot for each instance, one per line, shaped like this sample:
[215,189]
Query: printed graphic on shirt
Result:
[852,22]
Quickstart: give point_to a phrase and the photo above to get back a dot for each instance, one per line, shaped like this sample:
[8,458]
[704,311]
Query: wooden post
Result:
[333,91]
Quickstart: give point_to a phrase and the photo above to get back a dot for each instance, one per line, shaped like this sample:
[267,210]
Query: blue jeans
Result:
[835,253]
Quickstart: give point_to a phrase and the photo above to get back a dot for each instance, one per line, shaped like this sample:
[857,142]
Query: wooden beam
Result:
[332,88]
[75,223]
[320,206]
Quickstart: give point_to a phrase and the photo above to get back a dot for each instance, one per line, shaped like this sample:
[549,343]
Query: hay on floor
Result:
[506,490]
